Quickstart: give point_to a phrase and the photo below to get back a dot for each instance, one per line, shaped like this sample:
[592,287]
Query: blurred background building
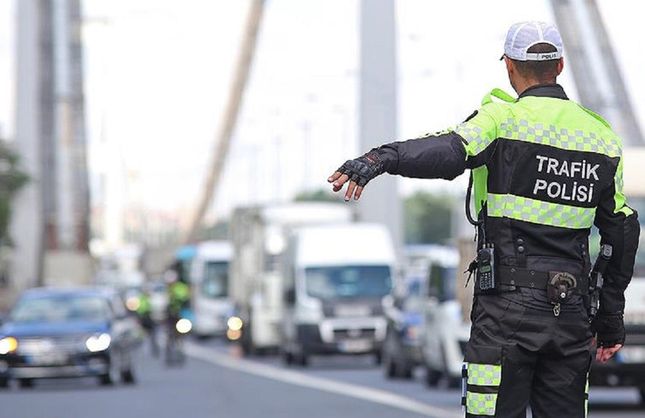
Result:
[51,223]
[123,99]
[151,140]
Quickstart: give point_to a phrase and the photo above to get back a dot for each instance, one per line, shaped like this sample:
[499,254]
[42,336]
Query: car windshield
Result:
[61,309]
[442,282]
[215,283]
[348,281]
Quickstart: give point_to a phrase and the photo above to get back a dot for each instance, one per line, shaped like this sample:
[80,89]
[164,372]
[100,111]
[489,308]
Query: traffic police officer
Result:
[545,170]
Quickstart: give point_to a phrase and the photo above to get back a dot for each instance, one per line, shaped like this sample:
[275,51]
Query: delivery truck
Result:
[336,278]
[259,236]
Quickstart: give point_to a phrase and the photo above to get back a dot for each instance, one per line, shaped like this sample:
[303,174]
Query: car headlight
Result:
[8,345]
[99,342]
[234,323]
[183,326]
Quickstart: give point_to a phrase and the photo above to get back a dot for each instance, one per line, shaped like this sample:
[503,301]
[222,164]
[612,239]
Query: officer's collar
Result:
[545,90]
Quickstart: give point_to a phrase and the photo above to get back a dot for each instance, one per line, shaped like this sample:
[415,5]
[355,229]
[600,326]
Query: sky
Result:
[158,71]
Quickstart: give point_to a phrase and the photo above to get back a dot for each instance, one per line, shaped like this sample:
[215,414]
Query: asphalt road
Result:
[216,383]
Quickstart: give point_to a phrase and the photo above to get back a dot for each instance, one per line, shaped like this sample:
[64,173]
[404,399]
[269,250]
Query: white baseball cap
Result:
[523,35]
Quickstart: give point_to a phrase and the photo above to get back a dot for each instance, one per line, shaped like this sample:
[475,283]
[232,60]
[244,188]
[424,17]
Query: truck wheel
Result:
[642,391]
[303,359]
[287,357]
[246,342]
[4,383]
[432,376]
[26,383]
[406,372]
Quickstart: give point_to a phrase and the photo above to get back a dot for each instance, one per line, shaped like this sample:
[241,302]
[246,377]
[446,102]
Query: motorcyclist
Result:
[144,311]
[178,301]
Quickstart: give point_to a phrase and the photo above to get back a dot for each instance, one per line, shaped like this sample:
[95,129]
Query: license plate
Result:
[53,359]
[355,346]
[631,355]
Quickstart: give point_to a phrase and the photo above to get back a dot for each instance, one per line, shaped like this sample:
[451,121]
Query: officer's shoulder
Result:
[497,103]
[602,124]
[596,116]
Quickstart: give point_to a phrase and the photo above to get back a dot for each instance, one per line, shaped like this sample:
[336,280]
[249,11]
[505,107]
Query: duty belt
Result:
[520,277]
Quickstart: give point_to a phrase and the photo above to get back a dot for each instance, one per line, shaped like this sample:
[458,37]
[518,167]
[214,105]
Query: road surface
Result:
[216,383]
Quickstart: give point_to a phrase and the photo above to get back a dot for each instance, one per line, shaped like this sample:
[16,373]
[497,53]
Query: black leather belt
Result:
[520,277]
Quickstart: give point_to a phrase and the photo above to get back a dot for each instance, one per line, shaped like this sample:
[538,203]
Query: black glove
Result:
[363,169]
[609,329]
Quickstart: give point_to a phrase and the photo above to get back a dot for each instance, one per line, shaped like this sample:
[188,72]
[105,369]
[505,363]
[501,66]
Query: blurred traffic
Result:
[204,275]
[68,333]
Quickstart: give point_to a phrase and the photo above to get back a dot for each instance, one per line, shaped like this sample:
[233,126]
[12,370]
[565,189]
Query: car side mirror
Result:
[290,296]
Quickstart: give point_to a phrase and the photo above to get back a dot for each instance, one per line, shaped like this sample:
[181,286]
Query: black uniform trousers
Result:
[544,359]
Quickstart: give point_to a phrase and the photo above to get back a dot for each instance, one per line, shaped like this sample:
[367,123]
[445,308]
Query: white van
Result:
[337,276]
[446,330]
[260,236]
[209,277]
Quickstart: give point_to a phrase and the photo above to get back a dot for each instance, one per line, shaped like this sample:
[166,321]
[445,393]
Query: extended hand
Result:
[605,353]
[610,335]
[358,172]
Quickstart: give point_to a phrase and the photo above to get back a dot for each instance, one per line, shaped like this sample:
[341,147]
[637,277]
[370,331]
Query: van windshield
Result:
[215,283]
[333,282]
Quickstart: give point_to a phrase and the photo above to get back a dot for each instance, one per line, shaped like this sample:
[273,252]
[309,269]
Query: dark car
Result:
[78,332]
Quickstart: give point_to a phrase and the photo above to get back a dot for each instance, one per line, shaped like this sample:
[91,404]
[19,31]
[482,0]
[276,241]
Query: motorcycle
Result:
[178,328]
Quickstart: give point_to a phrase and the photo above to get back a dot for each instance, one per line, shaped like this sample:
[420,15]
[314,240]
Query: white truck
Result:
[259,236]
[336,279]
[209,281]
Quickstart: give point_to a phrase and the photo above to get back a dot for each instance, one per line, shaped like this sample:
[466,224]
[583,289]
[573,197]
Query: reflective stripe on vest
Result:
[539,212]
[558,137]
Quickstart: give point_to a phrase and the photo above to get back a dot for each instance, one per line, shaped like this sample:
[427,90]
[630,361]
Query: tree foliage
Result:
[320,195]
[428,218]
[11,180]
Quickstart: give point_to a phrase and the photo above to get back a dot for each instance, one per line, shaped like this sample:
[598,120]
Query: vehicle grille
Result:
[49,344]
[349,333]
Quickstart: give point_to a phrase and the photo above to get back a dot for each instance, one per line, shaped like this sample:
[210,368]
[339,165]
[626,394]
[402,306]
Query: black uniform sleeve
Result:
[618,225]
[431,157]
[445,154]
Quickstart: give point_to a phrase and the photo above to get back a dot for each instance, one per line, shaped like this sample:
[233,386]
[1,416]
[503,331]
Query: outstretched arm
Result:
[442,155]
[433,156]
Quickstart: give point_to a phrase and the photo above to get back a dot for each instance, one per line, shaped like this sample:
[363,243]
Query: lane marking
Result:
[319,383]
